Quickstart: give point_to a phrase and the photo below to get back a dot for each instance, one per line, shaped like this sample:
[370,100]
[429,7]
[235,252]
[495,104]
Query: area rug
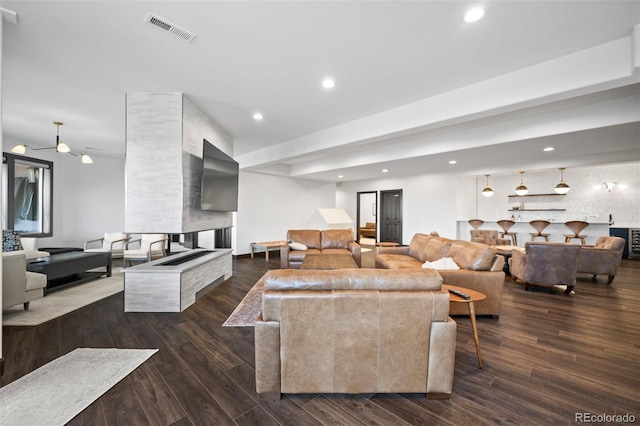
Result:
[247,311]
[56,392]
[60,302]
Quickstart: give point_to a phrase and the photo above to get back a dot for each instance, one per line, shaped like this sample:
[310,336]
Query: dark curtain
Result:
[24,195]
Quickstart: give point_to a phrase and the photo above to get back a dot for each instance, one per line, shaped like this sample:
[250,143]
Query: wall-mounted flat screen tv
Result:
[219,180]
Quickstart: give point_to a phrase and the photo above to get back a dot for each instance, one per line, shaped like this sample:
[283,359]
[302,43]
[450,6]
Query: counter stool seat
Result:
[539,226]
[576,226]
[506,224]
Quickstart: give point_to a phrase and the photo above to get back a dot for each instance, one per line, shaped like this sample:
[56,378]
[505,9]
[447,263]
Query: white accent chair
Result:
[150,246]
[114,242]
[20,286]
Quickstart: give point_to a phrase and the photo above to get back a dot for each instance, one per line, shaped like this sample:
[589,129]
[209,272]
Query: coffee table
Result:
[476,296]
[62,267]
[268,245]
[328,261]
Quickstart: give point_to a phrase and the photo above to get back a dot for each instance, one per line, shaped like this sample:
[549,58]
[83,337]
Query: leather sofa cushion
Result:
[336,238]
[470,255]
[356,279]
[428,247]
[397,261]
[308,237]
[298,255]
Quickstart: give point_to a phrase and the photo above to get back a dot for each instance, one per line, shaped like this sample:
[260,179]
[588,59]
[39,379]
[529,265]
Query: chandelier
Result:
[59,147]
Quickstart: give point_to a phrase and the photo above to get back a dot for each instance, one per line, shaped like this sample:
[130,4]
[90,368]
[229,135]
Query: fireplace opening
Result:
[185,259]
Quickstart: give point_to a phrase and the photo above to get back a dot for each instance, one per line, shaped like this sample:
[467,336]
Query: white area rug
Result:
[60,302]
[56,392]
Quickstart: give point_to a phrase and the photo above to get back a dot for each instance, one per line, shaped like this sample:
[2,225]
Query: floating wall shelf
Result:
[537,210]
[536,195]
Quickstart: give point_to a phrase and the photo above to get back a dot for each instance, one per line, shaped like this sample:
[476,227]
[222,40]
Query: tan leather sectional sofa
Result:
[354,331]
[481,268]
[327,241]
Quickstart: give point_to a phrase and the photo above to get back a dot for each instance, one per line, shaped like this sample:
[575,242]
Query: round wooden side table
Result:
[475,296]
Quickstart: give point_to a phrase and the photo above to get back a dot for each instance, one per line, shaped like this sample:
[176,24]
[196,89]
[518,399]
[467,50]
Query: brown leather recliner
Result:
[354,331]
[543,263]
[603,258]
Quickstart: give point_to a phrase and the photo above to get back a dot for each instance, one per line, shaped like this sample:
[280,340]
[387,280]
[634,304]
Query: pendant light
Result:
[562,187]
[60,147]
[522,189]
[487,191]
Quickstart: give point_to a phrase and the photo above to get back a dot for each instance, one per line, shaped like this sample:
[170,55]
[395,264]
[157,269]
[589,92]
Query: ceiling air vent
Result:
[165,25]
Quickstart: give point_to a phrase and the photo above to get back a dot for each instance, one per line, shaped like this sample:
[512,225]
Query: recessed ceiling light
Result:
[257,116]
[453,162]
[328,83]
[340,176]
[384,170]
[474,14]
[549,148]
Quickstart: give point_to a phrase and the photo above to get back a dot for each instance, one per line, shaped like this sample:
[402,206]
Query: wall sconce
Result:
[487,191]
[609,185]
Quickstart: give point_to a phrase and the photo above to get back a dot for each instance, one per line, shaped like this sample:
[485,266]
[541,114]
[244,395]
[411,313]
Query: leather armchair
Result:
[543,263]
[354,331]
[603,258]
[20,286]
[490,237]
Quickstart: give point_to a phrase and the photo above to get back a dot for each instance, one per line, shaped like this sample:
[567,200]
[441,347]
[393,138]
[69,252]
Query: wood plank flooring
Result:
[548,357]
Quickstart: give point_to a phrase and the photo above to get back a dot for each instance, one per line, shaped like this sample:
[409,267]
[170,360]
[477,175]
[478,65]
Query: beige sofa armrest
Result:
[442,354]
[267,352]
[356,252]
[284,256]
[393,250]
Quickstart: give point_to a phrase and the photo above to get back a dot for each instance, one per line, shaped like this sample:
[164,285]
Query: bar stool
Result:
[576,226]
[476,223]
[506,224]
[539,226]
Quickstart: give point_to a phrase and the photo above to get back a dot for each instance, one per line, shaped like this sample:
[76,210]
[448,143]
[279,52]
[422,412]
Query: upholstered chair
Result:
[603,258]
[546,264]
[149,247]
[20,286]
[488,236]
[113,242]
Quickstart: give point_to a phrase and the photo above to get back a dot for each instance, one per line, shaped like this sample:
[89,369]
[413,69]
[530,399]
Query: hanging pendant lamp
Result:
[487,191]
[522,189]
[562,187]
[60,147]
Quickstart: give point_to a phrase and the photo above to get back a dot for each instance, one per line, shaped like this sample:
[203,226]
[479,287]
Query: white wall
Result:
[268,206]
[587,200]
[88,199]
[429,202]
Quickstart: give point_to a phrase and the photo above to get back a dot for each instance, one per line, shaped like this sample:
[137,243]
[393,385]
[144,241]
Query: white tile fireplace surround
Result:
[159,287]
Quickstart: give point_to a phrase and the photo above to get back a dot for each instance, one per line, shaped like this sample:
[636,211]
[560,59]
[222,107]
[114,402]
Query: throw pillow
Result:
[297,246]
[11,241]
[444,263]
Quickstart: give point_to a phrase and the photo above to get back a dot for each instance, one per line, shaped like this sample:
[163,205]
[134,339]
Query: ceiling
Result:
[416,86]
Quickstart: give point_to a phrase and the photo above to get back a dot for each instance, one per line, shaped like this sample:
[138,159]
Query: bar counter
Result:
[556,231]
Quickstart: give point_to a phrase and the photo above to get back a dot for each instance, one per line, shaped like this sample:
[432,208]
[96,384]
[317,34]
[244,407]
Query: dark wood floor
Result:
[548,357]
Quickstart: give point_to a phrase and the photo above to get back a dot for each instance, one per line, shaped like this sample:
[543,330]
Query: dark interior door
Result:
[391,216]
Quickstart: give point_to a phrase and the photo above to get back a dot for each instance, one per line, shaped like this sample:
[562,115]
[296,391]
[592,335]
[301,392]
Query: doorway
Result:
[366,211]
[391,216]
